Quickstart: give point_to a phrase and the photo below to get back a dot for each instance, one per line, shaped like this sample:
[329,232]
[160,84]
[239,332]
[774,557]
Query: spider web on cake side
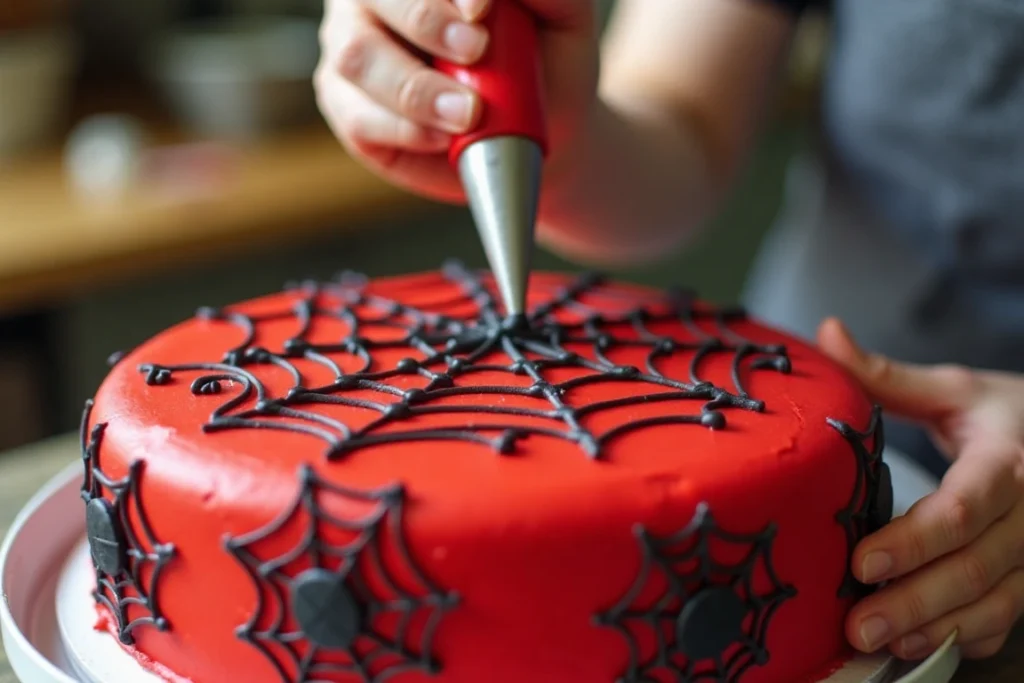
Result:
[444,353]
[333,617]
[122,559]
[871,501]
[708,623]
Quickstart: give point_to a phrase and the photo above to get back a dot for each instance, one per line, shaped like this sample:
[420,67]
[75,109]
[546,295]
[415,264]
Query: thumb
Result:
[915,392]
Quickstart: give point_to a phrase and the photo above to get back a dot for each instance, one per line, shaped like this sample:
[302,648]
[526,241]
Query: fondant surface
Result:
[383,480]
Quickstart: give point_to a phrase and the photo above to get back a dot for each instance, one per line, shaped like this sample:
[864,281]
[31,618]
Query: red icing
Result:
[535,543]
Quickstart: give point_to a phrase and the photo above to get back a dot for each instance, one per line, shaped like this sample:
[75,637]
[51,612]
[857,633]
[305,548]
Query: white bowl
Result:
[239,78]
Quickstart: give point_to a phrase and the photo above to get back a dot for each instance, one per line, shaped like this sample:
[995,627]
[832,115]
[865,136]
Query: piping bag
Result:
[500,162]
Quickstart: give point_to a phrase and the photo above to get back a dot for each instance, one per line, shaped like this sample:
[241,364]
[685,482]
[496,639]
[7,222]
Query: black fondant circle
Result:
[106,540]
[325,610]
[881,510]
[709,623]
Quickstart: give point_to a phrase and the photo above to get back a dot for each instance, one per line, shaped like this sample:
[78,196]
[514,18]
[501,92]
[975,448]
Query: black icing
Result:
[445,352]
[325,609]
[352,604]
[871,501]
[708,621]
[120,555]
[106,540]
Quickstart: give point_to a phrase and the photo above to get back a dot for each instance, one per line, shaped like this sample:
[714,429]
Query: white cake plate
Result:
[47,614]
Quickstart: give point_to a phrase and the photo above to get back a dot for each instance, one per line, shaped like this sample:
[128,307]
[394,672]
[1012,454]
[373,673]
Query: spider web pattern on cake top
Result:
[708,622]
[871,502]
[331,611]
[128,567]
[444,352]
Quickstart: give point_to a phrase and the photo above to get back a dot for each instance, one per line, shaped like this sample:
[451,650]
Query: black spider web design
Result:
[373,656]
[686,562]
[870,506]
[126,590]
[444,351]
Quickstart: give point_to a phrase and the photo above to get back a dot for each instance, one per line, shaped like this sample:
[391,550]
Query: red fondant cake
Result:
[367,481]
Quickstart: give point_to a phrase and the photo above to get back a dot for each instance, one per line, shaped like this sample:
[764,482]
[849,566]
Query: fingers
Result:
[979,488]
[355,119]
[371,60]
[436,26]
[941,588]
[915,392]
[425,174]
[981,627]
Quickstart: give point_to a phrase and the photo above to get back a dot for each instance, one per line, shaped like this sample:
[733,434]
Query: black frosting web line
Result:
[126,587]
[451,350]
[362,553]
[664,554]
[863,514]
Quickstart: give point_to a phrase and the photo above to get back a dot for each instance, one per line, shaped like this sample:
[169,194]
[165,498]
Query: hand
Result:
[396,114]
[956,559]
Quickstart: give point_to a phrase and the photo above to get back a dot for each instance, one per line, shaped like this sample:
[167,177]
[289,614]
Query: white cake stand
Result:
[47,614]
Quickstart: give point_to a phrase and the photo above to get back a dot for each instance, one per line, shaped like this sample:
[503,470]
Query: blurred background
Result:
[159,155]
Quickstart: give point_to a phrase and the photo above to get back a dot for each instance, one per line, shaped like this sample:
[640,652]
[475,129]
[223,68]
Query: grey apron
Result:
[907,219]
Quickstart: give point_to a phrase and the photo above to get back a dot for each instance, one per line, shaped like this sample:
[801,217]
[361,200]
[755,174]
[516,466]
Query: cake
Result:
[369,480]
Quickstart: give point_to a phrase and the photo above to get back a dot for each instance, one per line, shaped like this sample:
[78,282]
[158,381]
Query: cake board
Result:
[47,615]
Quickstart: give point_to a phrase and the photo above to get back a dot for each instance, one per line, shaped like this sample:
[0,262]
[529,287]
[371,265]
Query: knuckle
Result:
[917,608]
[353,55]
[917,542]
[959,519]
[959,379]
[413,96]
[1004,614]
[977,575]
[422,18]
[879,369]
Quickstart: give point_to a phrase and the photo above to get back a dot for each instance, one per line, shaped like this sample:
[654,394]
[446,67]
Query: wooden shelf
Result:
[53,243]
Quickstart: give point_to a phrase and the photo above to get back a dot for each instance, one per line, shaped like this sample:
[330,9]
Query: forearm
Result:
[633,187]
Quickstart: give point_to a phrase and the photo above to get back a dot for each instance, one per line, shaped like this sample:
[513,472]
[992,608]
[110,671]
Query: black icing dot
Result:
[414,395]
[295,392]
[666,346]
[324,609]
[603,341]
[407,366]
[396,411]
[442,382]
[506,443]
[882,508]
[568,357]
[456,365]
[539,390]
[266,406]
[257,355]
[713,419]
[296,347]
[206,387]
[158,376]
[344,383]
[710,622]
[106,539]
[626,371]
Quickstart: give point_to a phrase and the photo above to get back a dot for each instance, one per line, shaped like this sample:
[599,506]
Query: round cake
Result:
[371,480]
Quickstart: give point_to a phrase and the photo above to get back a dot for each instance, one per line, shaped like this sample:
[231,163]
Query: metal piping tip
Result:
[501,176]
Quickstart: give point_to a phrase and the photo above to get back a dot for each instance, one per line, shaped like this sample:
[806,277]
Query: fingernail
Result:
[465,41]
[455,108]
[874,631]
[470,9]
[876,565]
[914,645]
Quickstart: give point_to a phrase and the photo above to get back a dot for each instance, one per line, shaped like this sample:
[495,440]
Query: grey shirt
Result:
[907,220]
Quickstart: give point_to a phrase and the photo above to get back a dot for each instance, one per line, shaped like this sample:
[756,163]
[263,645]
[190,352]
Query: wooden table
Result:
[24,471]
[54,242]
